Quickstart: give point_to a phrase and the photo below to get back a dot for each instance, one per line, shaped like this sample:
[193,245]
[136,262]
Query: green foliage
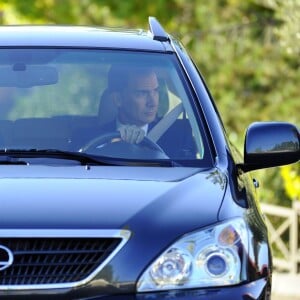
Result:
[248,51]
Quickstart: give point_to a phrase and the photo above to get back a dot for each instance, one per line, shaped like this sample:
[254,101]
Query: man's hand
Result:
[131,134]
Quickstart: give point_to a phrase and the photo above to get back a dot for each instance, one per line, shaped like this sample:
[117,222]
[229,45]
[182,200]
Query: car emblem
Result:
[6,258]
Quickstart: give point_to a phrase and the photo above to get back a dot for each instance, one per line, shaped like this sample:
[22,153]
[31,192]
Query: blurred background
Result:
[247,51]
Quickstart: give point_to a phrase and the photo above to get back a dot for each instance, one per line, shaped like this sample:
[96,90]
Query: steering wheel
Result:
[112,145]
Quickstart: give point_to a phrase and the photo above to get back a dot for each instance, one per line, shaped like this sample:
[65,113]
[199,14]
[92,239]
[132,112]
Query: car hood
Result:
[109,197]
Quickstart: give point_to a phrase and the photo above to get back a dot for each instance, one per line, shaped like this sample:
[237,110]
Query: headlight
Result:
[211,257]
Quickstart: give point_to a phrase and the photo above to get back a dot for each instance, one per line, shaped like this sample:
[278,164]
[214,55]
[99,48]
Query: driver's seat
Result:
[107,110]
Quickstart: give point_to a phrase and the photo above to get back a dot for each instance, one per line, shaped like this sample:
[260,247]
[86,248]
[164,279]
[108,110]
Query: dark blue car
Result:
[118,189]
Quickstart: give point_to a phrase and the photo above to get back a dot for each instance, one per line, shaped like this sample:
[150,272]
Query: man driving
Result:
[136,96]
[134,93]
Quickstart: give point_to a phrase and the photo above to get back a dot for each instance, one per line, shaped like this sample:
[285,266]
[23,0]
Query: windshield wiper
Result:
[83,158]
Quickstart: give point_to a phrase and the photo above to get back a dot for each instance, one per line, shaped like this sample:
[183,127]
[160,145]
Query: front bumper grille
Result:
[42,262]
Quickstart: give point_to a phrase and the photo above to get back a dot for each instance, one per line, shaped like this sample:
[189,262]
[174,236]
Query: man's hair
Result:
[119,76]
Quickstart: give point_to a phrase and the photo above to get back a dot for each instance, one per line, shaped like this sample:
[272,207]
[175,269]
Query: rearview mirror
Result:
[25,76]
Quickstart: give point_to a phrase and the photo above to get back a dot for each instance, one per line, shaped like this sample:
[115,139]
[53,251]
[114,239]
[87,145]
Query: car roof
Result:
[86,36]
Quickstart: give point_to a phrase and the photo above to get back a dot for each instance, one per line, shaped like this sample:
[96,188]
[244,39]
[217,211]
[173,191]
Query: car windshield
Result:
[106,103]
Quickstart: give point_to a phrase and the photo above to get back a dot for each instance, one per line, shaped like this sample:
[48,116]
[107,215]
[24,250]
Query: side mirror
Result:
[270,144]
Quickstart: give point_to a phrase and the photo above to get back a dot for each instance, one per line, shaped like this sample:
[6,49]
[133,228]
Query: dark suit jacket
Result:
[177,141]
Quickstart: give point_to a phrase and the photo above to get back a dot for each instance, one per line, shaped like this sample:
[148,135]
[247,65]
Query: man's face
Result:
[139,102]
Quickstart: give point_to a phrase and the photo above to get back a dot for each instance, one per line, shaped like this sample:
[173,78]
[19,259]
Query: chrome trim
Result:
[69,233]
[7,263]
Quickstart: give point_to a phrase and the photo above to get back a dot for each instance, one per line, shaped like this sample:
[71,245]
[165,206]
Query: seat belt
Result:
[162,126]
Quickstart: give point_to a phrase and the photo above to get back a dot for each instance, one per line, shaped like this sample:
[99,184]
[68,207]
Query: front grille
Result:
[46,261]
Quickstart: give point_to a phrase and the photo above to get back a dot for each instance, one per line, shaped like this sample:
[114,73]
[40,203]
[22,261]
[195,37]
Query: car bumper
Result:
[248,291]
